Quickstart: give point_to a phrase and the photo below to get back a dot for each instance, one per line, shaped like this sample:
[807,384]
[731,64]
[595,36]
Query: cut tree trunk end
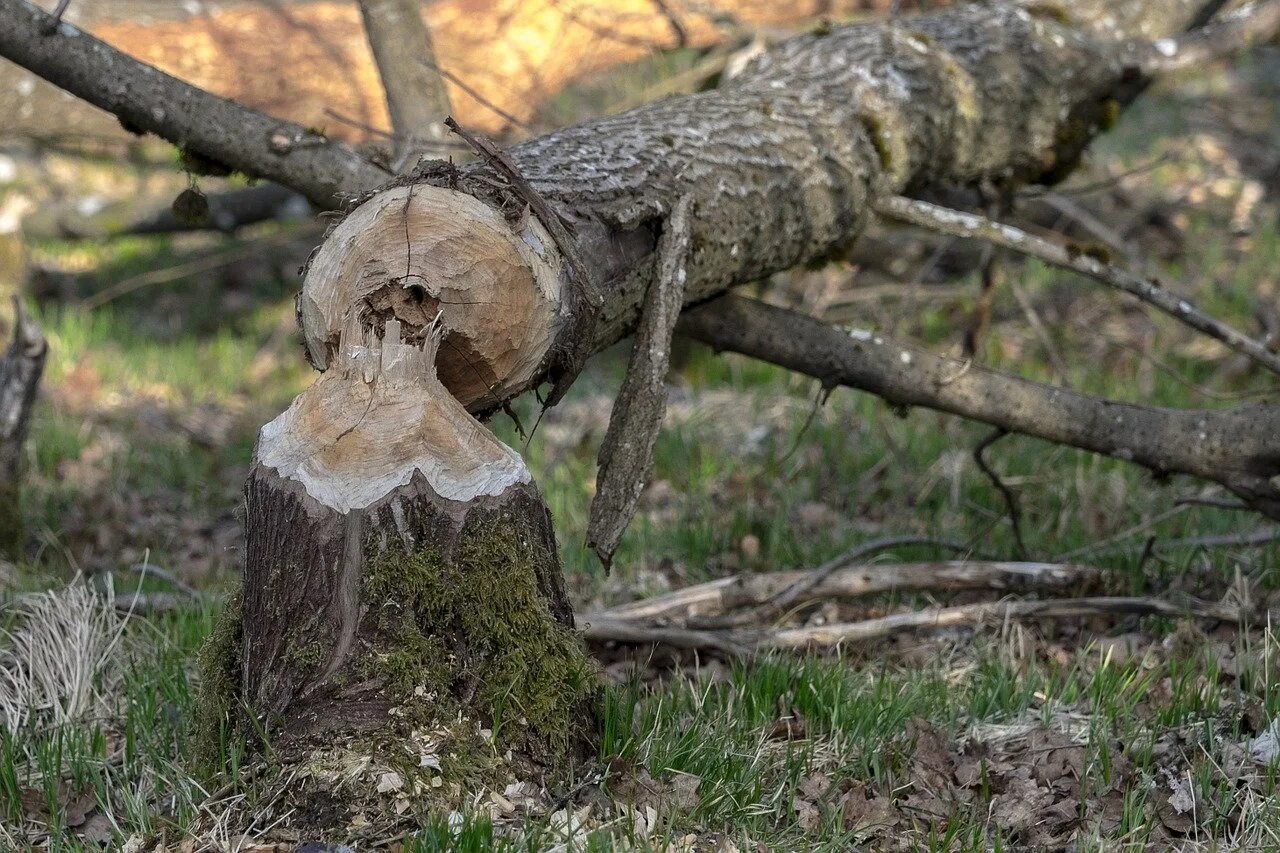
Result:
[403,604]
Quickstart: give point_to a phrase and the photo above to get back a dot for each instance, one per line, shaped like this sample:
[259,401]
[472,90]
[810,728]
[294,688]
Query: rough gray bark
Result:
[626,454]
[20,371]
[417,99]
[148,100]
[814,131]
[1235,447]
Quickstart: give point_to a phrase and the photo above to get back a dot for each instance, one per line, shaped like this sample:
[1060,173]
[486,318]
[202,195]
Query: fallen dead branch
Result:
[782,590]
[1078,259]
[603,628]
[1233,447]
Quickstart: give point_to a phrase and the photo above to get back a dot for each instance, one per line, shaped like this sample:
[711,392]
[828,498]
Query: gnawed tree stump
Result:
[401,568]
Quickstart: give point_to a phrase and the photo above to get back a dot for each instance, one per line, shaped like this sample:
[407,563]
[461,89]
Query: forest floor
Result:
[1098,733]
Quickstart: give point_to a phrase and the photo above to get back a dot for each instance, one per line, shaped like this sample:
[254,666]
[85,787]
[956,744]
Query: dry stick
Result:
[603,628]
[775,591]
[1233,447]
[805,587]
[626,453]
[1010,499]
[994,612]
[960,224]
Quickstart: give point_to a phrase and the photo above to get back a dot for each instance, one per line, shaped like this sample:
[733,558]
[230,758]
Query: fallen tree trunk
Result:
[810,134]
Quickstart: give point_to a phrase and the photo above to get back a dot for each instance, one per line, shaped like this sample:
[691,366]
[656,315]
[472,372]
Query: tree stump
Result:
[403,604]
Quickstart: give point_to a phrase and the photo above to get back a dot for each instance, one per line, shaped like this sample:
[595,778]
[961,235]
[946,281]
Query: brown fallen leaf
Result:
[861,814]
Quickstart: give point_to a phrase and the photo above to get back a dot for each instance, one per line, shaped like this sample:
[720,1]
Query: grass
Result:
[148,422]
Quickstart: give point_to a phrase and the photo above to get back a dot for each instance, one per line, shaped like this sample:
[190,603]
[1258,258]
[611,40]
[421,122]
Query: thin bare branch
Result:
[148,100]
[1251,24]
[960,224]
[1233,447]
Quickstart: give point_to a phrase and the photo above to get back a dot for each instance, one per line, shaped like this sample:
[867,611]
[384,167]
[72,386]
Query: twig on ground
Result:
[803,589]
[1010,499]
[777,591]
[960,224]
[603,628]
[991,612]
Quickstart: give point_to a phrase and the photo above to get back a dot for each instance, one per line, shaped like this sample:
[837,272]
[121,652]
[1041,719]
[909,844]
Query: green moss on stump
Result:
[467,637]
[217,721]
[476,632]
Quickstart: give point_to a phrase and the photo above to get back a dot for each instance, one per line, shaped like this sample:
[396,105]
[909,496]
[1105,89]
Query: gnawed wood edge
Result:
[375,418]
[425,254]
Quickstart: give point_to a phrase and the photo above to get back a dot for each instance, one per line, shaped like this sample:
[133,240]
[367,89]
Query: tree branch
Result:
[417,98]
[1251,24]
[1234,447]
[960,224]
[148,100]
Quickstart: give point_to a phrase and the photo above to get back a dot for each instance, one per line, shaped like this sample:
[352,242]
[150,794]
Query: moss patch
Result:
[216,723]
[475,634]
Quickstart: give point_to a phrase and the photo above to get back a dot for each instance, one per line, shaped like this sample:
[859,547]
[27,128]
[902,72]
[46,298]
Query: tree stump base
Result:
[403,632]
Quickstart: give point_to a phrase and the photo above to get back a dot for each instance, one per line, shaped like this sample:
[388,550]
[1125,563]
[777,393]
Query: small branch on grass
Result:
[1233,447]
[960,224]
[803,589]
[827,636]
[771,593]
[603,628]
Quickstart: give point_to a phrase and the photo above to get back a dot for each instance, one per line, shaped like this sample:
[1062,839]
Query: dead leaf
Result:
[98,829]
[807,815]
[1020,806]
[860,813]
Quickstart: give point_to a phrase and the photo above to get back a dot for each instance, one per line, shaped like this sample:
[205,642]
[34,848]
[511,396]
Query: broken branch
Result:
[960,224]
[1233,447]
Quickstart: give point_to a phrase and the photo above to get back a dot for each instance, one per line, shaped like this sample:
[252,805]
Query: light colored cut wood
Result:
[423,255]
[378,417]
